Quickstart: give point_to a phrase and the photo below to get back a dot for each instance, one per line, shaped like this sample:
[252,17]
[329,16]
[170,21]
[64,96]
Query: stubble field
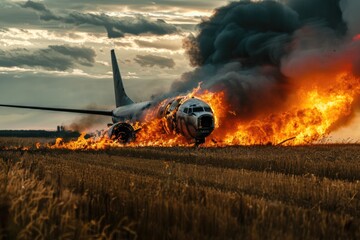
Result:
[255,192]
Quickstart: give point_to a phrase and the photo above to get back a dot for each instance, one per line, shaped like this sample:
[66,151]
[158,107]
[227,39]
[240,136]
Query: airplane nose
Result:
[206,121]
[205,126]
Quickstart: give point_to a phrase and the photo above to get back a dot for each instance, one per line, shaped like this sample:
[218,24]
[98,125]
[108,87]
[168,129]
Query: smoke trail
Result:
[88,122]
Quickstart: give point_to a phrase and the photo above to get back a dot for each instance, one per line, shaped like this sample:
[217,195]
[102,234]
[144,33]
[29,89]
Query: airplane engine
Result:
[123,132]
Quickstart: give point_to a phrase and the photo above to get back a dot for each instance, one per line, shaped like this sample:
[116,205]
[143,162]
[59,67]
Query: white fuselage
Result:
[192,118]
[130,113]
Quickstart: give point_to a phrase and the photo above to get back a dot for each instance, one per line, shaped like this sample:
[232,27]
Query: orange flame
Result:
[308,115]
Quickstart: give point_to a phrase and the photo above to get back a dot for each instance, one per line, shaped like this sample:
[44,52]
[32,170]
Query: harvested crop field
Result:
[255,192]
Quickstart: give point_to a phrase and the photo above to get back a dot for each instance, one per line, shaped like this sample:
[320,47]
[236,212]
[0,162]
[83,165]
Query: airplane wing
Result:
[94,112]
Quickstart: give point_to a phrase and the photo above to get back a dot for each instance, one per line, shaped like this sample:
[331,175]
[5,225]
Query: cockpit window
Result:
[207,109]
[186,110]
[198,109]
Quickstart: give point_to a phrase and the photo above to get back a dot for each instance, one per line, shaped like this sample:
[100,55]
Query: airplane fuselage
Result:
[190,117]
[130,113]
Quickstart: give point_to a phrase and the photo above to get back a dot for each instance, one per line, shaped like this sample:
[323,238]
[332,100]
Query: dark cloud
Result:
[11,15]
[46,14]
[153,60]
[54,57]
[36,6]
[115,27]
[84,56]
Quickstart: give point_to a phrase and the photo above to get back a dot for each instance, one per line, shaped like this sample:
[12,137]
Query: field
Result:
[256,192]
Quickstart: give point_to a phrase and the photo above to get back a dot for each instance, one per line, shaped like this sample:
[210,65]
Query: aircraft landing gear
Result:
[199,141]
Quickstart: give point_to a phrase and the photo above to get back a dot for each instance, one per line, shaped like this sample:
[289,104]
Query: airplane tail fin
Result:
[121,97]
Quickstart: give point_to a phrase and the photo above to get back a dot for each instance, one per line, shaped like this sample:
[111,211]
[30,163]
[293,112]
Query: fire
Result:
[151,134]
[308,117]
[310,114]
[83,143]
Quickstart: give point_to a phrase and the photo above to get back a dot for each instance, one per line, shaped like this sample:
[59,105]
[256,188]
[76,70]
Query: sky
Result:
[57,53]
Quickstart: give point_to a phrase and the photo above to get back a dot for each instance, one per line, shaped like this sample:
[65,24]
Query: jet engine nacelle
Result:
[123,132]
[192,118]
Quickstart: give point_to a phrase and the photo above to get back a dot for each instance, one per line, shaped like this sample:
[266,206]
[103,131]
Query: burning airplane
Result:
[184,115]
[269,71]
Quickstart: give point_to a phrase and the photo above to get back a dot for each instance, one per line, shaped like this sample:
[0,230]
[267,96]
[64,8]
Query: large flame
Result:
[309,115]
[318,104]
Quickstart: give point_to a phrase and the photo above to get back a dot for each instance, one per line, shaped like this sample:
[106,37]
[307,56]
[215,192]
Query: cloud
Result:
[46,14]
[153,60]
[36,6]
[140,4]
[160,44]
[115,27]
[55,57]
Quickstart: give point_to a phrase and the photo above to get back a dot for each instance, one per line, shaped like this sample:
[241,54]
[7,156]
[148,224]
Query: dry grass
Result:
[309,192]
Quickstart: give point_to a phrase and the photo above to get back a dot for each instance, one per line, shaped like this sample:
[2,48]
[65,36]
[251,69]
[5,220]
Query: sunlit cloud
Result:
[84,84]
[73,72]
[28,37]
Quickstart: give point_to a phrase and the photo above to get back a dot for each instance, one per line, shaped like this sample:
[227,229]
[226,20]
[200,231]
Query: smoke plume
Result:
[88,123]
[260,52]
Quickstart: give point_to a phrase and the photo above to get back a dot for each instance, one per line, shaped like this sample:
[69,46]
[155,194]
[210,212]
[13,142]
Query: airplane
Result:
[190,117]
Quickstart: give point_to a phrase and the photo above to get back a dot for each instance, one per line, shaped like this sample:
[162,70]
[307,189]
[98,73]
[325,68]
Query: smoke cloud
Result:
[88,122]
[351,15]
[257,51]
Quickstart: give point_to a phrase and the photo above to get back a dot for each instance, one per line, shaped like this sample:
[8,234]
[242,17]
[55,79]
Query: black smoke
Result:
[87,123]
[253,33]
[241,49]
[327,12]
